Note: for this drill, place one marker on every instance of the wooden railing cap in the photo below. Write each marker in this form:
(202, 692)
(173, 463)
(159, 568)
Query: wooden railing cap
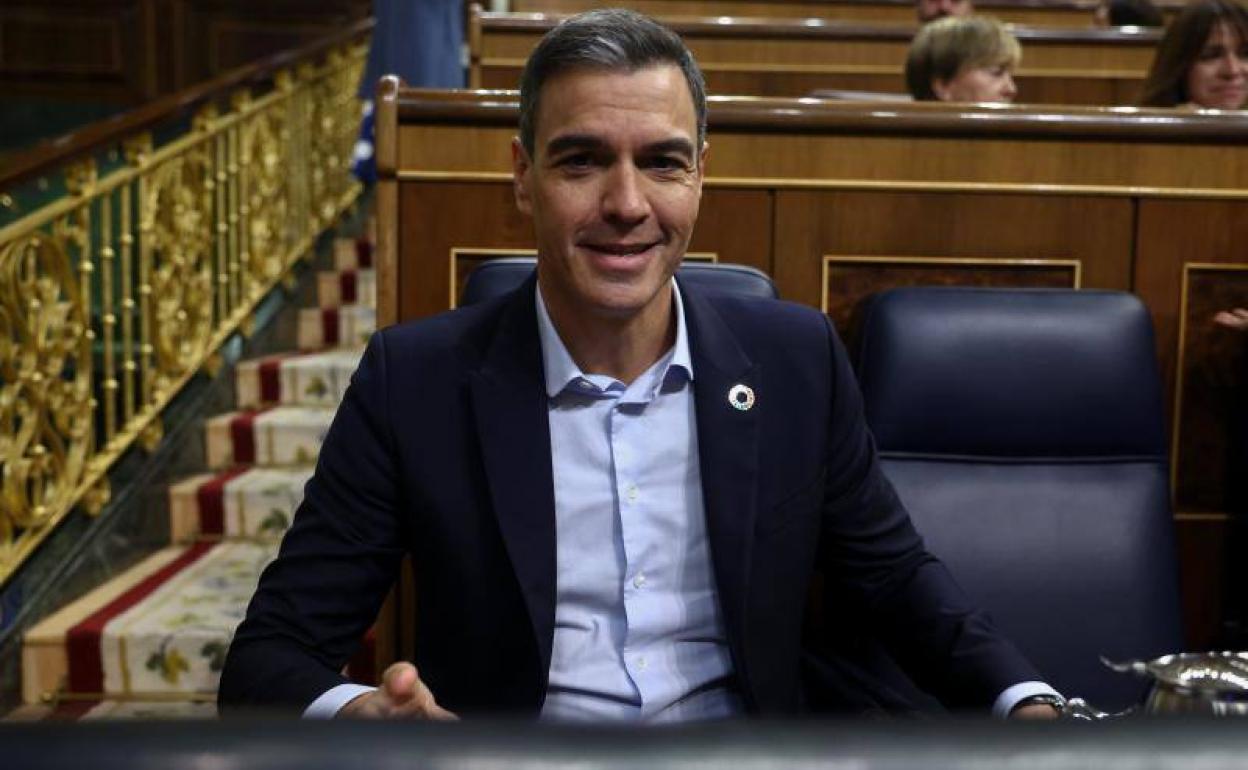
(808, 115)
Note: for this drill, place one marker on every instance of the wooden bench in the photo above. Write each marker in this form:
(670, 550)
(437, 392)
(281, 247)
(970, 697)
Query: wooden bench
(794, 57)
(838, 200)
(1046, 13)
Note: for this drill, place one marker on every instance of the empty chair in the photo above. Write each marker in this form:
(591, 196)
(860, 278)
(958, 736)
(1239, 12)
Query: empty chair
(499, 276)
(1023, 430)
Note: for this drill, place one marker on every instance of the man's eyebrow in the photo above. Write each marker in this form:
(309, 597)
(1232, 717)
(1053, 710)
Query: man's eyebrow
(573, 142)
(568, 142)
(677, 145)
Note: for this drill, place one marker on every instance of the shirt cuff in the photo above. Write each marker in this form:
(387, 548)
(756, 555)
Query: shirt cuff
(333, 699)
(1010, 698)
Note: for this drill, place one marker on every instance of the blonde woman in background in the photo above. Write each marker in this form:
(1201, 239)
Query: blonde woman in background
(963, 59)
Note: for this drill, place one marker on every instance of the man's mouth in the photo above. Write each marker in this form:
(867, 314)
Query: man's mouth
(620, 249)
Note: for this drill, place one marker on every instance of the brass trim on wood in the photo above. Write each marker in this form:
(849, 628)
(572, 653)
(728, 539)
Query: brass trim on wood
(1075, 265)
(404, 175)
(1181, 359)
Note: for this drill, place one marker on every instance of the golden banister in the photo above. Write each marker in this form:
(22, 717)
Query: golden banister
(114, 294)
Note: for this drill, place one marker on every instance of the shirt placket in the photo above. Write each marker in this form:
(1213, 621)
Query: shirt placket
(627, 425)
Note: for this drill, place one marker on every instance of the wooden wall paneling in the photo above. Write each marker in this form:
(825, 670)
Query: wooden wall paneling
(100, 52)
(1054, 14)
(1203, 234)
(921, 157)
(438, 217)
(1034, 87)
(835, 247)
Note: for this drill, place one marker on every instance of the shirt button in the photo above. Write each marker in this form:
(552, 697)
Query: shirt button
(631, 493)
(640, 580)
(641, 663)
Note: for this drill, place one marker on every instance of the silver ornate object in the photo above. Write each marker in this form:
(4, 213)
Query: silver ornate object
(1208, 683)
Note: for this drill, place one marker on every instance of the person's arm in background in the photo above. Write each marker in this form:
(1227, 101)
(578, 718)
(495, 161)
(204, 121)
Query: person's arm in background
(1236, 318)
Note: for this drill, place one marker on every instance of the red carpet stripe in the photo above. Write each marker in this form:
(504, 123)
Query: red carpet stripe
(271, 379)
(329, 326)
(346, 287)
(211, 499)
(363, 253)
(243, 437)
(86, 665)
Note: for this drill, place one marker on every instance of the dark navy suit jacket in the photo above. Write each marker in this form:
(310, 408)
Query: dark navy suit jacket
(441, 449)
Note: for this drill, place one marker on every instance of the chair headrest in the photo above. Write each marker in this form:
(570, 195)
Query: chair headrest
(499, 276)
(1011, 374)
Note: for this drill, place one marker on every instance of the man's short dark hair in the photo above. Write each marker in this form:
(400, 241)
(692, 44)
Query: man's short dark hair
(611, 39)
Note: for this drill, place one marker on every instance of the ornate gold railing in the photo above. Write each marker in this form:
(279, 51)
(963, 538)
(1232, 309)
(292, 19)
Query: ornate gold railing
(113, 295)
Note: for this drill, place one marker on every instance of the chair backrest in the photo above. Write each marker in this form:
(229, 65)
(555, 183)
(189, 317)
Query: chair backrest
(499, 276)
(1023, 430)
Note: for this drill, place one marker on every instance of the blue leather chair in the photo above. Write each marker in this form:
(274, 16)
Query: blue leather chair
(499, 276)
(1023, 430)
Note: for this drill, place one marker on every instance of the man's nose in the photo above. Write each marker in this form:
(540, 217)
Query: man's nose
(624, 199)
(1009, 89)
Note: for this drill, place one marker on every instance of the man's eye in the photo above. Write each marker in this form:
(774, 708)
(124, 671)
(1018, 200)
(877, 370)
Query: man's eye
(579, 160)
(667, 163)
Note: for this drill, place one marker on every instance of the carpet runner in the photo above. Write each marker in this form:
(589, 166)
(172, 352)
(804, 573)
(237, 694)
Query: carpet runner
(150, 643)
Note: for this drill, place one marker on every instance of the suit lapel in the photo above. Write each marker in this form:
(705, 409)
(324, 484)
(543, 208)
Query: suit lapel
(728, 457)
(509, 401)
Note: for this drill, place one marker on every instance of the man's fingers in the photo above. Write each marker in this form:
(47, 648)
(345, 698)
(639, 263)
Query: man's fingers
(401, 683)
(409, 697)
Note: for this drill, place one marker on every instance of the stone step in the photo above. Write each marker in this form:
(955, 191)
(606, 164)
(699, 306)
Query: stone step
(250, 503)
(307, 379)
(158, 631)
(339, 288)
(283, 436)
(321, 328)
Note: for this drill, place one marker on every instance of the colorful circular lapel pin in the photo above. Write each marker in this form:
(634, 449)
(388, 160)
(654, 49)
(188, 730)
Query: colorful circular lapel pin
(741, 397)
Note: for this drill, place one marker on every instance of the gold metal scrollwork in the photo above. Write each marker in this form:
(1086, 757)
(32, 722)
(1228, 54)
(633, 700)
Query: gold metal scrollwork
(45, 382)
(177, 213)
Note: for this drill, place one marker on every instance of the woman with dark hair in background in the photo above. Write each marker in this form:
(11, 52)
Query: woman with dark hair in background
(963, 59)
(1202, 61)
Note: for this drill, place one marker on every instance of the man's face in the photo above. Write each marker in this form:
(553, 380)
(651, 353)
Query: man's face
(613, 189)
(930, 10)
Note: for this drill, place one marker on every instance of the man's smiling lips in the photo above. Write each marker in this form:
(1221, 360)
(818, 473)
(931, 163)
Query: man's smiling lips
(619, 249)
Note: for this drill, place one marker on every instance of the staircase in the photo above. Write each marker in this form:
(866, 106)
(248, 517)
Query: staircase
(150, 643)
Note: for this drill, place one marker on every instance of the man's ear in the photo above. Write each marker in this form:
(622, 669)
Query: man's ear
(702, 156)
(941, 89)
(521, 164)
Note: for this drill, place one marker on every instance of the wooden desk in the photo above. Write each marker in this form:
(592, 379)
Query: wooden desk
(837, 200)
(794, 57)
(1046, 13)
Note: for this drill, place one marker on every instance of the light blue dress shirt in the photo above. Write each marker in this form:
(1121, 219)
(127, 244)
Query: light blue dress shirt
(638, 630)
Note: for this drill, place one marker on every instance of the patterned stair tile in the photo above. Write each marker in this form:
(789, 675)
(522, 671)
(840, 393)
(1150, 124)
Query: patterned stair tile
(338, 288)
(309, 379)
(281, 436)
(353, 253)
(252, 503)
(349, 326)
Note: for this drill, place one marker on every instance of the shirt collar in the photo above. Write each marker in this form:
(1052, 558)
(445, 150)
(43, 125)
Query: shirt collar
(561, 371)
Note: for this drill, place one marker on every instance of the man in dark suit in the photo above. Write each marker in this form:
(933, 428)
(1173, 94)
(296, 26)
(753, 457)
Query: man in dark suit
(615, 490)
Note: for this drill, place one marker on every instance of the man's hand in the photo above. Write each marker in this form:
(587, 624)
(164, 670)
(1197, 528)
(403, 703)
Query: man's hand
(1035, 711)
(1233, 319)
(401, 696)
